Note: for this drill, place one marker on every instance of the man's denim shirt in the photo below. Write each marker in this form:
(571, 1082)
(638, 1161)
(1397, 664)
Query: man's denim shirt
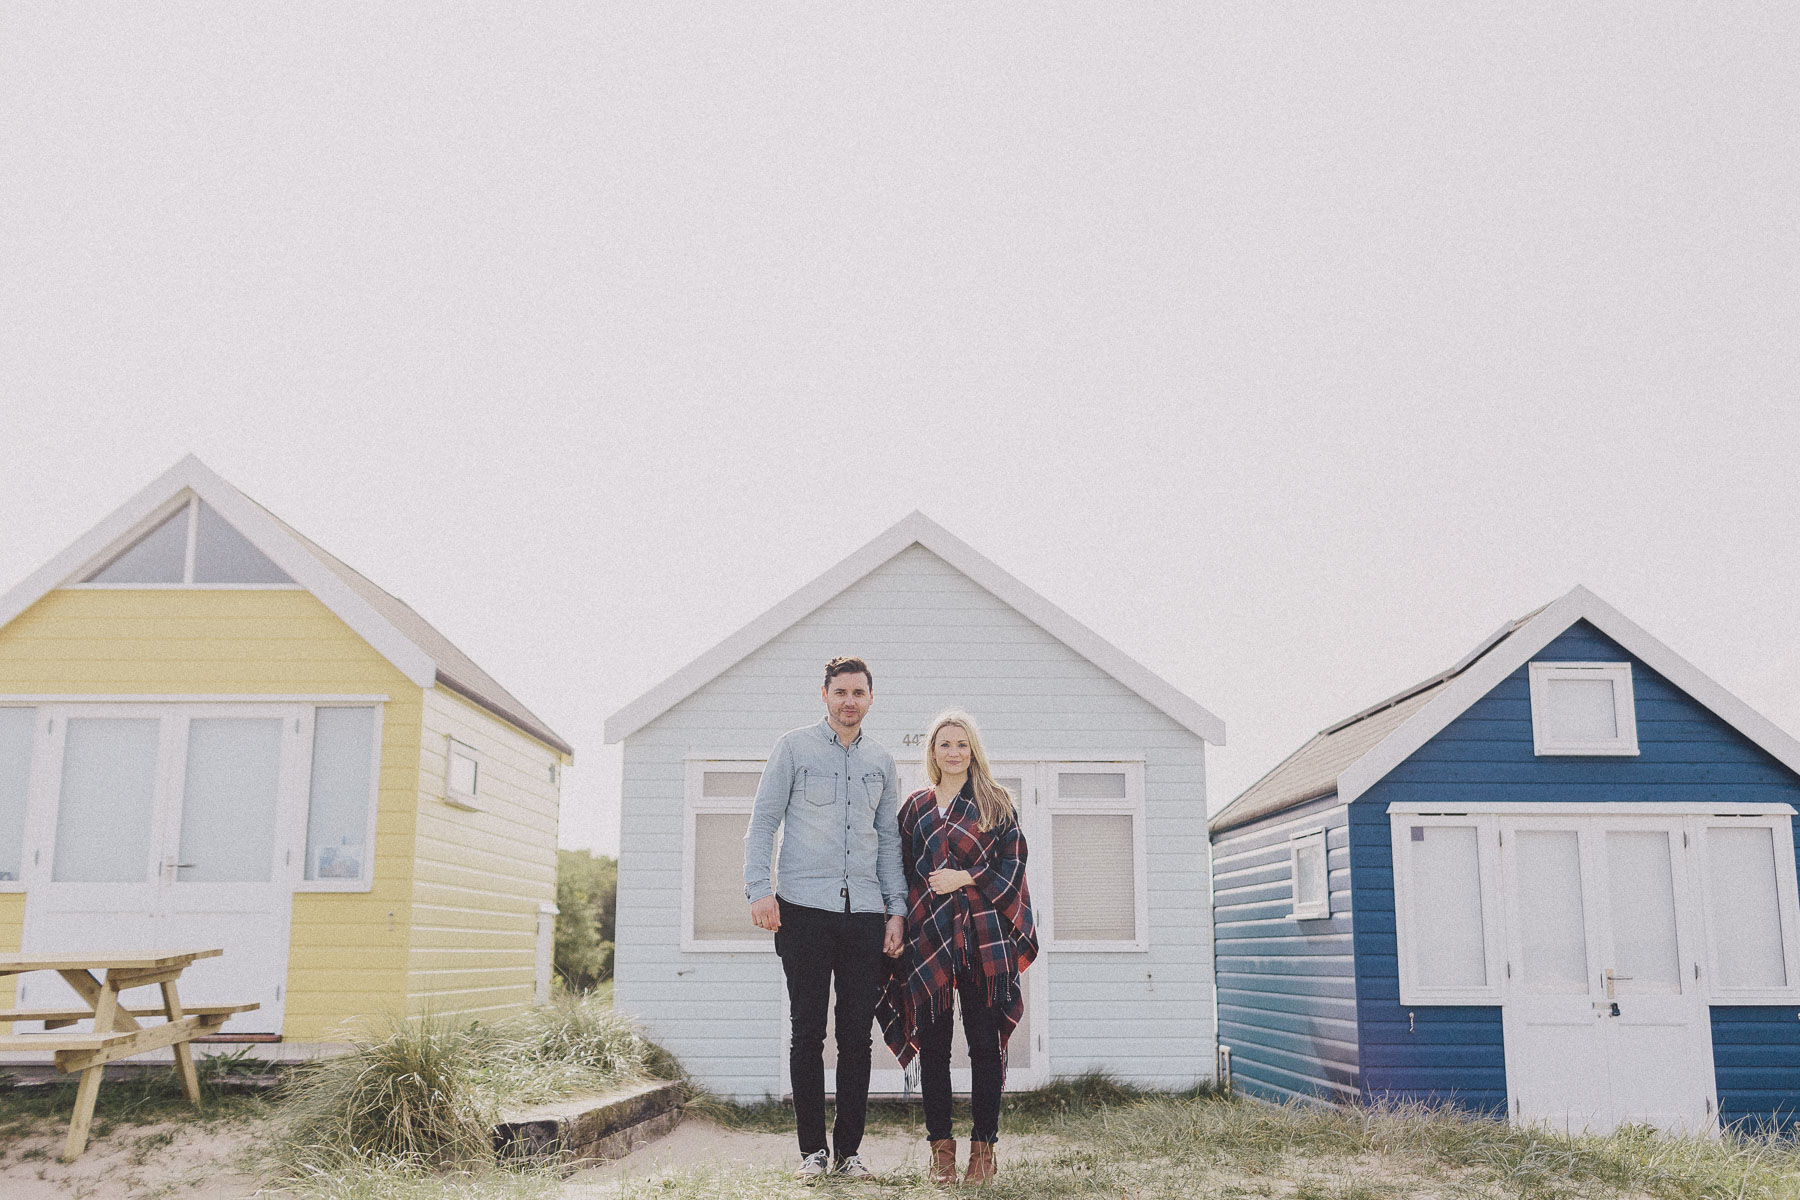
(841, 806)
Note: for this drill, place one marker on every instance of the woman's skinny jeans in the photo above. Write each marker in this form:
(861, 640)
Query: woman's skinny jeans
(981, 1026)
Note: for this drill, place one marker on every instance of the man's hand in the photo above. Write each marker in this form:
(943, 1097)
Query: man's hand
(895, 941)
(766, 914)
(945, 880)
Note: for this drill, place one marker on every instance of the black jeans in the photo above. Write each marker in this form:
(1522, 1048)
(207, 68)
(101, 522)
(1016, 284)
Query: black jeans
(981, 1027)
(814, 946)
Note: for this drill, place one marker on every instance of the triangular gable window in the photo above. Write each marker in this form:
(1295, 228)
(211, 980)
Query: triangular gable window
(194, 545)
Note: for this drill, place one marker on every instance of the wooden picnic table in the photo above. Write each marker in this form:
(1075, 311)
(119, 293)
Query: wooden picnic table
(117, 1031)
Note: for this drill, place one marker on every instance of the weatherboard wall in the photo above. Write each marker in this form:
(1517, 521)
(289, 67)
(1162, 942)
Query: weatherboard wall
(933, 638)
(481, 871)
(347, 954)
(1286, 987)
(1686, 753)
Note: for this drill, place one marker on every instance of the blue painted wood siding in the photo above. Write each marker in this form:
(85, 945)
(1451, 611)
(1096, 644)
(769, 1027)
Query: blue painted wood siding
(1685, 753)
(1287, 1000)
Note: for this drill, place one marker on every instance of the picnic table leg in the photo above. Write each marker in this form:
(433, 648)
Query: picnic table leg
(184, 1059)
(106, 1011)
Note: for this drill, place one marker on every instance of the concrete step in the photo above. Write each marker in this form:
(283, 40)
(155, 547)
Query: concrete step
(590, 1129)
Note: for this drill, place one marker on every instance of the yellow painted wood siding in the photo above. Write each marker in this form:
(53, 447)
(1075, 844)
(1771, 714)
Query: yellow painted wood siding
(480, 875)
(349, 950)
(12, 931)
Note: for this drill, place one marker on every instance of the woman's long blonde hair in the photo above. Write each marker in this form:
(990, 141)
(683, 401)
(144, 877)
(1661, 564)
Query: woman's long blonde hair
(994, 803)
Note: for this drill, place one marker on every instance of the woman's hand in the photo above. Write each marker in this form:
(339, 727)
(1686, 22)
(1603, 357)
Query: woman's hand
(893, 939)
(945, 880)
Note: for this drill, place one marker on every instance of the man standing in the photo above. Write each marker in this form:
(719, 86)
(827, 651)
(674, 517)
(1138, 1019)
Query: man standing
(839, 797)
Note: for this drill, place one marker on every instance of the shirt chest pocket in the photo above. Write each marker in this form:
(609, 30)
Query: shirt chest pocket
(820, 787)
(872, 785)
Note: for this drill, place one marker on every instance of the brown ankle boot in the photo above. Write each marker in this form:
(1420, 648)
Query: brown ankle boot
(943, 1160)
(981, 1162)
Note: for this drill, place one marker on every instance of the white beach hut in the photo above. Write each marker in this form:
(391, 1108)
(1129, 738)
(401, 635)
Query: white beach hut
(1109, 761)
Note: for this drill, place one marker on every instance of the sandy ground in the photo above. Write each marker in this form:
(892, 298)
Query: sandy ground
(702, 1144)
(173, 1160)
(131, 1162)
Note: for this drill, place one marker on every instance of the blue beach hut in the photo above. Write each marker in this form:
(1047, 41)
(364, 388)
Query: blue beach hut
(1554, 882)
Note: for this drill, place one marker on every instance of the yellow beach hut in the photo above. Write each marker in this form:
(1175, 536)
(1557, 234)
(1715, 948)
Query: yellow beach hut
(215, 733)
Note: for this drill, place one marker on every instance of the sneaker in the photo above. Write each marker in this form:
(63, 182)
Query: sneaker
(851, 1166)
(813, 1167)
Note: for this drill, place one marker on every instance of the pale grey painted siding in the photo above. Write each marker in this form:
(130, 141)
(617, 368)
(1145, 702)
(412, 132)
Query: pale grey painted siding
(933, 637)
(1287, 988)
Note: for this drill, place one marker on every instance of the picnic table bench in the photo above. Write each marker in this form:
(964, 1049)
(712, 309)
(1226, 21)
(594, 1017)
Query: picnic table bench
(117, 1031)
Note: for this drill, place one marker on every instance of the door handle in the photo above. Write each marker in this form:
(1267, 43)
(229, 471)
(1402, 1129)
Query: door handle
(1612, 979)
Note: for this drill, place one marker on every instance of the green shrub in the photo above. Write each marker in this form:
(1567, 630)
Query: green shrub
(587, 890)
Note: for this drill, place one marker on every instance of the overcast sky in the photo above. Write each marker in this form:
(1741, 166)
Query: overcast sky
(1292, 348)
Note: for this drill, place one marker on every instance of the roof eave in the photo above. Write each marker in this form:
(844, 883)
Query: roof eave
(922, 530)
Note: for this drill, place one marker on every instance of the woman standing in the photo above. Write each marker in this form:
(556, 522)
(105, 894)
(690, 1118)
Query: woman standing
(969, 933)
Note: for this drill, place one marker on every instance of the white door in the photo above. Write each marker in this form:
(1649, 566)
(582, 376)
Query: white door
(1603, 1020)
(1027, 1062)
(170, 827)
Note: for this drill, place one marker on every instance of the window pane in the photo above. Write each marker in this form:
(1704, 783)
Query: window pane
(1553, 930)
(1309, 873)
(223, 555)
(1450, 947)
(720, 911)
(1090, 785)
(465, 773)
(337, 816)
(1742, 892)
(1640, 878)
(160, 556)
(16, 725)
(228, 801)
(108, 796)
(1582, 710)
(1094, 877)
(729, 783)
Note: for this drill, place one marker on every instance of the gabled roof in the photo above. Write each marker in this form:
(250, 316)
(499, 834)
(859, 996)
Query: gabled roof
(1353, 755)
(387, 623)
(916, 529)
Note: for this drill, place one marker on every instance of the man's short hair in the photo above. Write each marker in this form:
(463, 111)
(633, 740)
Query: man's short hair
(848, 666)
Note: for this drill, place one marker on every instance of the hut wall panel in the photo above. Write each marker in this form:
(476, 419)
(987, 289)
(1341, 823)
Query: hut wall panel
(1686, 753)
(248, 642)
(933, 638)
(481, 875)
(1286, 998)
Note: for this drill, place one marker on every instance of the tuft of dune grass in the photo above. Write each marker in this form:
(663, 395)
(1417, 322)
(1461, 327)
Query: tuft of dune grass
(425, 1093)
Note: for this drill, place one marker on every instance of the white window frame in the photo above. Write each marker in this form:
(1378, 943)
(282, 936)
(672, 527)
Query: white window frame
(191, 502)
(1131, 805)
(1544, 742)
(694, 804)
(1296, 843)
(41, 797)
(1787, 897)
(366, 882)
(456, 798)
(1493, 923)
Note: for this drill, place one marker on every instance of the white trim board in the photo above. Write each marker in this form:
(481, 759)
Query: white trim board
(249, 519)
(916, 529)
(1672, 808)
(1517, 650)
(195, 698)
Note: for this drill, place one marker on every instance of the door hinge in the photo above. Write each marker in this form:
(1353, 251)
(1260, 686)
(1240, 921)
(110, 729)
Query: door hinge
(278, 991)
(1684, 839)
(287, 858)
(1515, 1106)
(1709, 1106)
(1696, 970)
(1509, 970)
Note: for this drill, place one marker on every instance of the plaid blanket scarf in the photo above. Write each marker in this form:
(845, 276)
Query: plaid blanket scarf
(985, 930)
